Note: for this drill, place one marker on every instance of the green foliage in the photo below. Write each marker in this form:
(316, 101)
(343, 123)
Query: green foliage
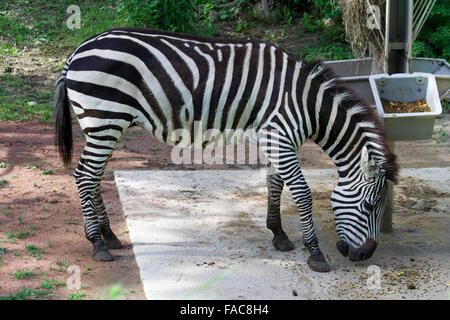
(26, 293)
(115, 292)
(79, 295)
(35, 251)
(286, 14)
(51, 284)
(434, 38)
(326, 52)
(325, 9)
(12, 236)
(24, 274)
(445, 106)
(323, 19)
(173, 15)
(17, 109)
(48, 171)
(241, 25)
(7, 49)
(311, 24)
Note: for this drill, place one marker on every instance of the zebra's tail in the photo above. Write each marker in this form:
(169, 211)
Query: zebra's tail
(63, 121)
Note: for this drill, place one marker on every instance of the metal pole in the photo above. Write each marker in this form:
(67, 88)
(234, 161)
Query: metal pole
(398, 47)
(399, 35)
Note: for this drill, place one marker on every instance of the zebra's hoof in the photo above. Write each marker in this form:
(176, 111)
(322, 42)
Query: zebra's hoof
(102, 255)
(112, 242)
(282, 243)
(101, 252)
(318, 263)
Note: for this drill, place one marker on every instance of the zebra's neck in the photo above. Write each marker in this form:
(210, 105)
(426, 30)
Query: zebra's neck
(337, 120)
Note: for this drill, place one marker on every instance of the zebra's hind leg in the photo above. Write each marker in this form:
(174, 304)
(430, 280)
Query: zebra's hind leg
(275, 187)
(88, 176)
(110, 239)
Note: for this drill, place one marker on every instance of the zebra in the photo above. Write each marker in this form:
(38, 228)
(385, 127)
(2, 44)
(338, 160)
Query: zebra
(164, 81)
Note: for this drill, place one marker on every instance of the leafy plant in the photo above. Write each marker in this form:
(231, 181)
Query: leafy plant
(433, 40)
(35, 251)
(173, 15)
(27, 293)
(79, 295)
(48, 171)
(23, 274)
(19, 235)
(51, 284)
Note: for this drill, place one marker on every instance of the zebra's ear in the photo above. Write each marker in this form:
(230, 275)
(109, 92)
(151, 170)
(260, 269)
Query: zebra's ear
(368, 165)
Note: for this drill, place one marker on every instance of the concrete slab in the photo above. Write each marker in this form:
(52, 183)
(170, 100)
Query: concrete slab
(201, 235)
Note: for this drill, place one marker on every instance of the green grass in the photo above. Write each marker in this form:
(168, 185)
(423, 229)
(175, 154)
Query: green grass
(12, 236)
(62, 265)
(17, 109)
(79, 295)
(35, 251)
(47, 286)
(12, 81)
(8, 49)
(48, 171)
(441, 136)
(24, 274)
(26, 293)
(51, 284)
(88, 269)
(43, 23)
(325, 52)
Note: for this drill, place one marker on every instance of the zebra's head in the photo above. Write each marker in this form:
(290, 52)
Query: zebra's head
(358, 204)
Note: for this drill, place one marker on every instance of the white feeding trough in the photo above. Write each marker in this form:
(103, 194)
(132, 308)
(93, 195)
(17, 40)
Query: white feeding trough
(407, 88)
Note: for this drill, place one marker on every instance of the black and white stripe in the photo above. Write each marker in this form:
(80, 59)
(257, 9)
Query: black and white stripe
(165, 81)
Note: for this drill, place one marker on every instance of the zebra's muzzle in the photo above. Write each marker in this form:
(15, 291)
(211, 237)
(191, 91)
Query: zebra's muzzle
(342, 247)
(364, 252)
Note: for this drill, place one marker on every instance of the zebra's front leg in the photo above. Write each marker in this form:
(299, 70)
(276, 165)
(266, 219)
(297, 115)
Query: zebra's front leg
(275, 187)
(282, 156)
(302, 196)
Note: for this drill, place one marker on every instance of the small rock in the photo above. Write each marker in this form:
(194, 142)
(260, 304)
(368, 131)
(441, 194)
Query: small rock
(32, 103)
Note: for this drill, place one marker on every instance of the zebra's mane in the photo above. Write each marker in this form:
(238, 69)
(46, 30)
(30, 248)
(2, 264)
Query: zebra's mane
(365, 113)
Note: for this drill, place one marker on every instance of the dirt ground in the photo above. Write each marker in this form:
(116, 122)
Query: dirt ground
(47, 205)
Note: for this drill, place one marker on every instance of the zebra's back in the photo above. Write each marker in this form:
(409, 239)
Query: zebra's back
(167, 81)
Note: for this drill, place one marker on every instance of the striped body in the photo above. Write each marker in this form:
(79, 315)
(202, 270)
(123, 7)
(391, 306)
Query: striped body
(165, 82)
